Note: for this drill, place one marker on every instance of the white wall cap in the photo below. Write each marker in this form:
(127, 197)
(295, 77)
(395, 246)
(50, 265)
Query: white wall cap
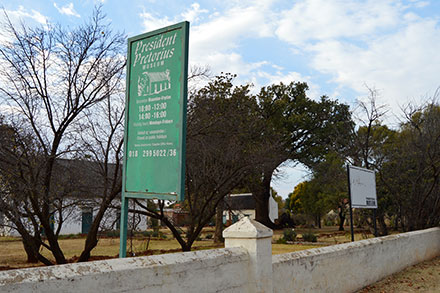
(247, 228)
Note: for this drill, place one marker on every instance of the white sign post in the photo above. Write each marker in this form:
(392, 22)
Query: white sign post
(362, 191)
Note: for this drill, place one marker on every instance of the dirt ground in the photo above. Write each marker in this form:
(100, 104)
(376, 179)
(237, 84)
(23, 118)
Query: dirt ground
(423, 277)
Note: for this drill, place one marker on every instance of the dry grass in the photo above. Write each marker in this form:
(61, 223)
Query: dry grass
(286, 248)
(12, 254)
(423, 277)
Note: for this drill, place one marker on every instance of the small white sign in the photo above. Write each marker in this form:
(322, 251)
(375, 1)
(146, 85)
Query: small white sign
(362, 188)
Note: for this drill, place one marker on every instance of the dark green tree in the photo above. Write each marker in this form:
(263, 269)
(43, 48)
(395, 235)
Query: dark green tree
(298, 129)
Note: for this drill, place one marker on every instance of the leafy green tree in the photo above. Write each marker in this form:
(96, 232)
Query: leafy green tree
(298, 129)
(279, 200)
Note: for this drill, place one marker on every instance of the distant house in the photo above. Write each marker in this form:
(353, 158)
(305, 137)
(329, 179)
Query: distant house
(150, 83)
(79, 185)
(177, 215)
(238, 206)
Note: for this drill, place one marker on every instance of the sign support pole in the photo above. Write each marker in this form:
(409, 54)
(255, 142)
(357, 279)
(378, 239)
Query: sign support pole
(374, 222)
(349, 200)
(123, 227)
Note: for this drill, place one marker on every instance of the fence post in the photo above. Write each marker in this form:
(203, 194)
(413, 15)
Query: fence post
(257, 240)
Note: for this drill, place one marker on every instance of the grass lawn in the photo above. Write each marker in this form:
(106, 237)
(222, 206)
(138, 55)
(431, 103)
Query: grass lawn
(12, 254)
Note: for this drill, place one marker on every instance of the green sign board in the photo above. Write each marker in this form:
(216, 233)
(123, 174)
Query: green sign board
(157, 66)
(155, 118)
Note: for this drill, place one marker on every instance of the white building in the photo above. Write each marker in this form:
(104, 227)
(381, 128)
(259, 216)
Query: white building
(238, 206)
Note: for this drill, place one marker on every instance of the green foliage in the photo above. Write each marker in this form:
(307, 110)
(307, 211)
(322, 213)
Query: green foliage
(69, 236)
(281, 240)
(309, 237)
(154, 223)
(112, 233)
(299, 219)
(289, 234)
(146, 233)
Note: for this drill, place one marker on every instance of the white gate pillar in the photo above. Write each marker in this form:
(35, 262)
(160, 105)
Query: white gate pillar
(257, 240)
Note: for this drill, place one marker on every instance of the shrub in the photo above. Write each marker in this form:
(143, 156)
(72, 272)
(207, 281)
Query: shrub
(299, 219)
(112, 233)
(289, 235)
(281, 240)
(310, 237)
(69, 236)
(146, 233)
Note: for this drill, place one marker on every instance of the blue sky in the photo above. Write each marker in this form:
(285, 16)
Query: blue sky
(339, 47)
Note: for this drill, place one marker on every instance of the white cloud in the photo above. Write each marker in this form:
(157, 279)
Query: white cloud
(67, 9)
(403, 65)
(358, 43)
(318, 20)
(192, 14)
(15, 15)
(314, 91)
(386, 44)
(226, 31)
(229, 62)
(151, 22)
(215, 42)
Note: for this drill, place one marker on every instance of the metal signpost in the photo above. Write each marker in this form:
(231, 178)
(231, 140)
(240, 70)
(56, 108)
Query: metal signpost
(362, 192)
(155, 118)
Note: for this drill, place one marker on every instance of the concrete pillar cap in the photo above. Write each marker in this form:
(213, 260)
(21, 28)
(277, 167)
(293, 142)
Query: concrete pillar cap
(247, 228)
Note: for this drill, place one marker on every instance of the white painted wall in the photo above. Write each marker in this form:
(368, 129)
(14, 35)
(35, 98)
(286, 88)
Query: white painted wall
(273, 209)
(351, 266)
(228, 215)
(246, 265)
(220, 270)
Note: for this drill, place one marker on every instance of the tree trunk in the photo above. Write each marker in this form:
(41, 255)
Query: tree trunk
(318, 221)
(92, 236)
(341, 219)
(32, 256)
(53, 242)
(383, 230)
(218, 237)
(91, 240)
(261, 196)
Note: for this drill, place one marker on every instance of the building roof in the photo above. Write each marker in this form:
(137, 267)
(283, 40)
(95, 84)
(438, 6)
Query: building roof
(240, 202)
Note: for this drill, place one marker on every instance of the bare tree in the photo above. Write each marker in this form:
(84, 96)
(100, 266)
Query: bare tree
(413, 168)
(223, 146)
(102, 141)
(367, 146)
(51, 75)
(372, 114)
